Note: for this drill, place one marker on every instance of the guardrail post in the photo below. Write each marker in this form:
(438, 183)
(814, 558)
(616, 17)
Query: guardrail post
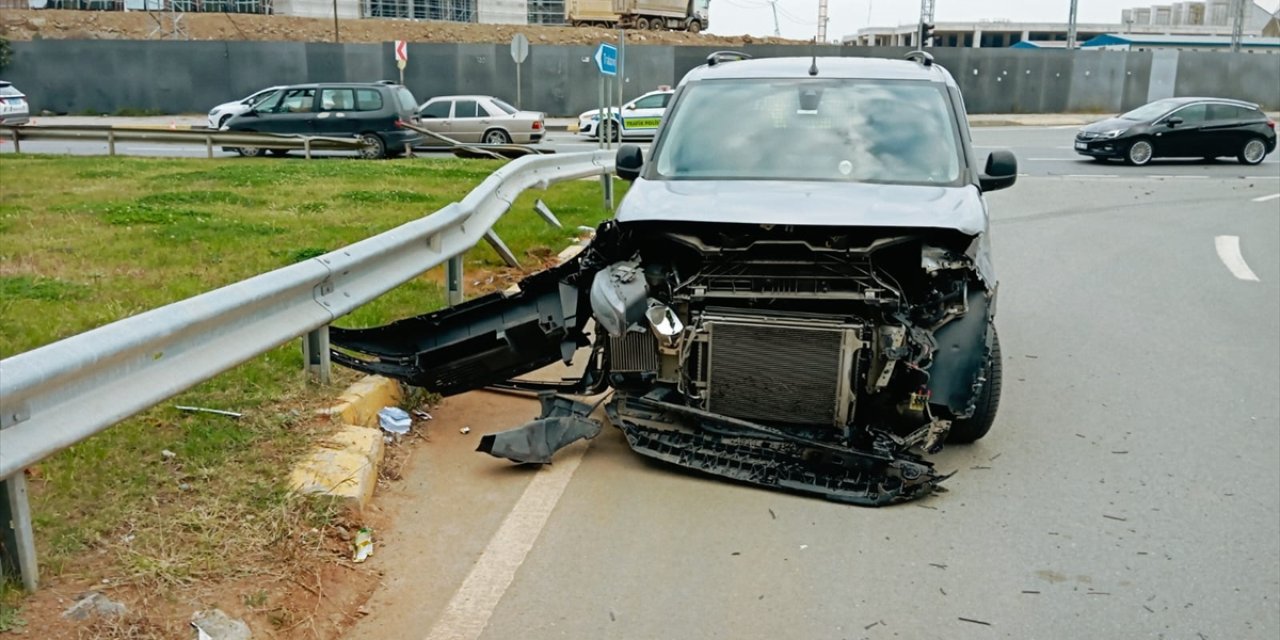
(315, 353)
(17, 144)
(208, 147)
(408, 150)
(306, 147)
(18, 540)
(541, 209)
(501, 248)
(111, 143)
(453, 276)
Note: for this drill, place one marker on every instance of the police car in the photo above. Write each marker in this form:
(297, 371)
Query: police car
(640, 117)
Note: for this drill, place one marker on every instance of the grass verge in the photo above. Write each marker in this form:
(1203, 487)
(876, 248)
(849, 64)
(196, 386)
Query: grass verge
(168, 498)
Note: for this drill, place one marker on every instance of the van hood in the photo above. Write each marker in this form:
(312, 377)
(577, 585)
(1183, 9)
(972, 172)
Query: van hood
(849, 204)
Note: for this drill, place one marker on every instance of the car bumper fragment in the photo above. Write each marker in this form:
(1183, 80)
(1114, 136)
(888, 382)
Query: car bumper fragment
(868, 478)
(562, 422)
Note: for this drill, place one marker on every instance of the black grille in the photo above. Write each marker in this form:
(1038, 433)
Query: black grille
(770, 373)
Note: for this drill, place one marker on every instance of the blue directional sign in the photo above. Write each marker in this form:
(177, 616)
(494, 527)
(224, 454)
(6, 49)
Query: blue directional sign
(607, 59)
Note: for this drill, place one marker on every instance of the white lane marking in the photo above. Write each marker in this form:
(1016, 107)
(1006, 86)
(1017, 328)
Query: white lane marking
(1273, 196)
(1090, 175)
(468, 612)
(1049, 159)
(1229, 253)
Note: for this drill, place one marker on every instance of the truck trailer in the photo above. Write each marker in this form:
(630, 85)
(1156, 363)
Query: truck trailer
(656, 15)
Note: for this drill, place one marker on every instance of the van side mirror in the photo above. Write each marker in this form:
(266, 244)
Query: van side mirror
(1001, 171)
(629, 161)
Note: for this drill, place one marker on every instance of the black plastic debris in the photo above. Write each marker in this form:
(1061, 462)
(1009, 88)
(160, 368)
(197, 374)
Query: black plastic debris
(563, 421)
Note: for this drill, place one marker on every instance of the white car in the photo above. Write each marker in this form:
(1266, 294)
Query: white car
(484, 119)
(14, 109)
(219, 115)
(640, 117)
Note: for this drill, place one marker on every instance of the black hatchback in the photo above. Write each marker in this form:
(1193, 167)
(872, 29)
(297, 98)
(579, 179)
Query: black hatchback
(374, 112)
(1206, 128)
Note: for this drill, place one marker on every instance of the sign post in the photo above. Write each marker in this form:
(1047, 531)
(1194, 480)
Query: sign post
(607, 62)
(402, 57)
(519, 52)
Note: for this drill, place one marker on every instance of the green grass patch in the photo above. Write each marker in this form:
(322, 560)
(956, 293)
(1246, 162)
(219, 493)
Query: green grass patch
(10, 605)
(35, 288)
(88, 241)
(134, 214)
(393, 195)
(191, 198)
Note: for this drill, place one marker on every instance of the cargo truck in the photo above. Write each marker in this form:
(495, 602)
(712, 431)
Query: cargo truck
(590, 13)
(677, 15)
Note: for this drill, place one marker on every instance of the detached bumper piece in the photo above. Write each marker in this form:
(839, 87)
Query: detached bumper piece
(563, 421)
(872, 479)
(477, 343)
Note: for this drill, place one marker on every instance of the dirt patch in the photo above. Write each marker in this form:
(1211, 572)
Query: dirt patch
(136, 25)
(304, 585)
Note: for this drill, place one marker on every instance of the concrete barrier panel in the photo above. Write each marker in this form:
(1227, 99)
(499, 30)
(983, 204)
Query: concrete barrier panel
(1097, 82)
(104, 76)
(1246, 76)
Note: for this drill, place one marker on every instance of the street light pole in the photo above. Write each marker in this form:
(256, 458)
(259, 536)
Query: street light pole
(335, 21)
(1237, 24)
(1071, 27)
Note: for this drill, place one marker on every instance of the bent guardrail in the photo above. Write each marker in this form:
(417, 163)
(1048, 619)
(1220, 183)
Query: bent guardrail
(207, 137)
(57, 395)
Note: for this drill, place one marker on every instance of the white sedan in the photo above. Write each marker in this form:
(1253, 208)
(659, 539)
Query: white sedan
(220, 114)
(640, 117)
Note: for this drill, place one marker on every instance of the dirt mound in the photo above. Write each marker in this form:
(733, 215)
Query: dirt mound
(136, 25)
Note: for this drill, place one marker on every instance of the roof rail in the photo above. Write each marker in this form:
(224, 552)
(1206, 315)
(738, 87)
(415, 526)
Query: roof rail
(725, 56)
(923, 57)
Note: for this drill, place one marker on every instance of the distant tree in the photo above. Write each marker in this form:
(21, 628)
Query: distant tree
(6, 53)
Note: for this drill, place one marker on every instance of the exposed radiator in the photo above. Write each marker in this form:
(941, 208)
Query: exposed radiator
(770, 371)
(634, 352)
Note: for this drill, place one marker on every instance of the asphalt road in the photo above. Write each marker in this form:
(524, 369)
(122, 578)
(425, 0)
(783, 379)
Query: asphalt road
(1041, 151)
(1129, 489)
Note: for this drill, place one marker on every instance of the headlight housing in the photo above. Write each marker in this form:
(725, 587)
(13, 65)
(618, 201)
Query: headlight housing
(1112, 134)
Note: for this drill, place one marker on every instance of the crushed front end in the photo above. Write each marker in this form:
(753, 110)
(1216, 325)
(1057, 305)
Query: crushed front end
(818, 360)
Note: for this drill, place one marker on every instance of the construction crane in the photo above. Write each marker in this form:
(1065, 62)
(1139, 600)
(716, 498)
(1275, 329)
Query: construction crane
(822, 20)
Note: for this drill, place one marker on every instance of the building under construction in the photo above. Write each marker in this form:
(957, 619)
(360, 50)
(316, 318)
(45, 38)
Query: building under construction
(1197, 19)
(482, 11)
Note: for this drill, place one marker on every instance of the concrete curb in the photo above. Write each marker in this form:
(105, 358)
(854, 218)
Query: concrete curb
(345, 464)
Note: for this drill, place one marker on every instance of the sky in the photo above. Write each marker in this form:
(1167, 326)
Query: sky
(799, 18)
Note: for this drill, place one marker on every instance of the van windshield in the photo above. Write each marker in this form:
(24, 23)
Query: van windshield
(883, 131)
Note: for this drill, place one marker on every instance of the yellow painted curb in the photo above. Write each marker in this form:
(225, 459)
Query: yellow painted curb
(362, 401)
(345, 465)
(572, 128)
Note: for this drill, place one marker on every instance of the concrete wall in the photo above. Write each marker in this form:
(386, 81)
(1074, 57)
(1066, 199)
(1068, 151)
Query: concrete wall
(74, 76)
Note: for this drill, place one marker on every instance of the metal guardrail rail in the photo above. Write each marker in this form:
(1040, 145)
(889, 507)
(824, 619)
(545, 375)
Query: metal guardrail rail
(207, 137)
(57, 395)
